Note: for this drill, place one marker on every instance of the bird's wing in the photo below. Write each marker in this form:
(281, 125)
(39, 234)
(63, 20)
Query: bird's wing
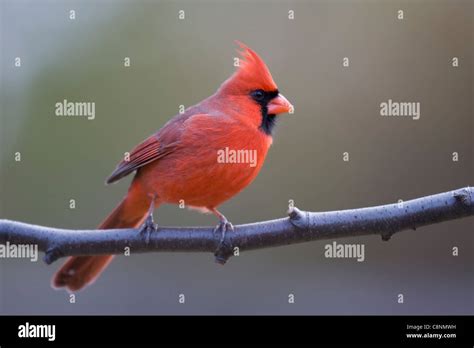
(158, 145)
(149, 150)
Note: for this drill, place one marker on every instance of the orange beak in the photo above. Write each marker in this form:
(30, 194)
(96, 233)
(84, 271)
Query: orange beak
(279, 105)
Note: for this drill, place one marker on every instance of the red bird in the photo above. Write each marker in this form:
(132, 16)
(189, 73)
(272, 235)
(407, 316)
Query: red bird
(181, 161)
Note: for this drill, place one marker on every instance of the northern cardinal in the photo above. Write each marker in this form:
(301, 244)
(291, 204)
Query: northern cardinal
(179, 163)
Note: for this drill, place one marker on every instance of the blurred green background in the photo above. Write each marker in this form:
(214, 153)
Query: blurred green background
(177, 62)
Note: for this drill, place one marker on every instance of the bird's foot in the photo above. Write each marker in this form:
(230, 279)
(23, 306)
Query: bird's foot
(223, 227)
(149, 226)
(223, 250)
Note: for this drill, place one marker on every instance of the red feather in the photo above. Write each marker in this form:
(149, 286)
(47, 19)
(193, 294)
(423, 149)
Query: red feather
(252, 74)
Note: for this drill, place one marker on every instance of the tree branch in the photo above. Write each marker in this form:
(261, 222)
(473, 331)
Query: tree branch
(299, 227)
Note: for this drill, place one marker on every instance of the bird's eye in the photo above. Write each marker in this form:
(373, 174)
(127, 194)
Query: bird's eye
(258, 95)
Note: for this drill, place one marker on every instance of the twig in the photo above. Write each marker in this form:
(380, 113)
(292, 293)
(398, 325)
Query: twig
(300, 226)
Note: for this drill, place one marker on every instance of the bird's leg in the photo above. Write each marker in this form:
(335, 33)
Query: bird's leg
(224, 224)
(149, 226)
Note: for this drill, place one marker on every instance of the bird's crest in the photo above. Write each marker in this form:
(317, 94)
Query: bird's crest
(252, 73)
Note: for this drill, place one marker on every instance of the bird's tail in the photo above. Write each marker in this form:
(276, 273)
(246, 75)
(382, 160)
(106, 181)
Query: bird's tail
(79, 271)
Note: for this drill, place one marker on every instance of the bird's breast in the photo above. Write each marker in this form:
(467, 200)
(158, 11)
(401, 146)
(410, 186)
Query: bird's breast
(209, 169)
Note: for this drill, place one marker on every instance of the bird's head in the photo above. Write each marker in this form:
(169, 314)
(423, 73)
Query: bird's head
(253, 88)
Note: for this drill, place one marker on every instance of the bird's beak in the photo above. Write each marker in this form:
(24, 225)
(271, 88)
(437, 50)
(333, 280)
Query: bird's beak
(279, 105)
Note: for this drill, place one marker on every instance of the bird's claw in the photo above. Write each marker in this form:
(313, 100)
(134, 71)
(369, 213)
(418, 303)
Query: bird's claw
(223, 227)
(147, 228)
(221, 252)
